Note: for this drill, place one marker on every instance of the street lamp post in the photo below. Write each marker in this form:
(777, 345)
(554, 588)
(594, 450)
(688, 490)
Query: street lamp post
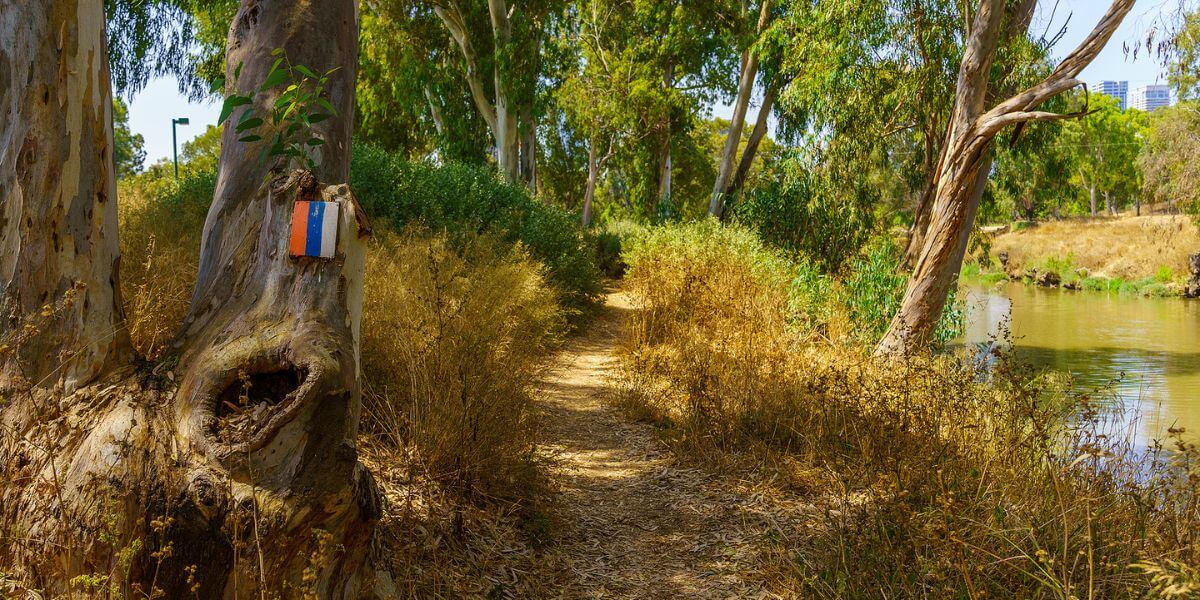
(174, 144)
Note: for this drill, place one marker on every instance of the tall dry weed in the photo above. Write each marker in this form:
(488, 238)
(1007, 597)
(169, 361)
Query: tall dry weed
(454, 337)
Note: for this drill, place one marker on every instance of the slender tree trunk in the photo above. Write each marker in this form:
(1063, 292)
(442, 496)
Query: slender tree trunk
(664, 151)
(229, 470)
(589, 194)
(972, 129)
(756, 137)
(749, 71)
(501, 115)
(435, 111)
(1092, 197)
(508, 151)
(529, 148)
(916, 233)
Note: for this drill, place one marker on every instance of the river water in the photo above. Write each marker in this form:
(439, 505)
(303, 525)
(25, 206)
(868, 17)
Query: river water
(1143, 353)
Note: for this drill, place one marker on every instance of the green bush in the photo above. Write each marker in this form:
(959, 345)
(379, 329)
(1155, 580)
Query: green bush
(608, 254)
(806, 212)
(463, 200)
(874, 288)
(993, 278)
(1129, 288)
(1156, 290)
(1098, 284)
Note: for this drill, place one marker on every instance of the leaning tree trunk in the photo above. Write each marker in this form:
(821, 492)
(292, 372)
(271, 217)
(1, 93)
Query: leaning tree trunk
(749, 71)
(229, 469)
(972, 129)
(756, 137)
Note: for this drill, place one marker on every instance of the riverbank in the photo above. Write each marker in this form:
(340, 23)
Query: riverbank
(1146, 256)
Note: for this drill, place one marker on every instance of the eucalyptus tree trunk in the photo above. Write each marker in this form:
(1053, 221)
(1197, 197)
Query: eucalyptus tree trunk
(589, 194)
(229, 469)
(756, 137)
(58, 193)
(500, 113)
(972, 129)
(664, 150)
(749, 71)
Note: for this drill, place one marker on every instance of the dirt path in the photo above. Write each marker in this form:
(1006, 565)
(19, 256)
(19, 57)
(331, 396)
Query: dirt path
(636, 523)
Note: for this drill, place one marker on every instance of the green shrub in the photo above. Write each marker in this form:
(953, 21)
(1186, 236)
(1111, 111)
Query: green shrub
(993, 278)
(804, 212)
(1096, 284)
(1165, 274)
(463, 200)
(608, 254)
(1156, 290)
(874, 288)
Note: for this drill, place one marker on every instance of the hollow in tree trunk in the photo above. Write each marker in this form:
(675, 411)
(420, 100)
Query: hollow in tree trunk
(229, 469)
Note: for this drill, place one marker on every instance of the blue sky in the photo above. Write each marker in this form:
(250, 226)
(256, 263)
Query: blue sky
(153, 108)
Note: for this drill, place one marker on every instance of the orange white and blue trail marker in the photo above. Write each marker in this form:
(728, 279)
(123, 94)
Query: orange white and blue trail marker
(314, 229)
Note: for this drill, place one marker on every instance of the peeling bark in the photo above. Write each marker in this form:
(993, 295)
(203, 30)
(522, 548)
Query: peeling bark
(229, 470)
(58, 214)
(972, 129)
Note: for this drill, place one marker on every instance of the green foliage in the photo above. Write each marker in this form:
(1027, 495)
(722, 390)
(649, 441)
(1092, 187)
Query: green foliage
(608, 254)
(183, 39)
(463, 199)
(128, 148)
(811, 211)
(1169, 161)
(202, 153)
(1185, 64)
(1103, 148)
(1101, 284)
(873, 289)
(300, 105)
(1067, 270)
(637, 86)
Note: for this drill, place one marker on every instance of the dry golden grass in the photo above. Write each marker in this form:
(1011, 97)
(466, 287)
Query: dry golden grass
(936, 483)
(1129, 247)
(160, 248)
(453, 342)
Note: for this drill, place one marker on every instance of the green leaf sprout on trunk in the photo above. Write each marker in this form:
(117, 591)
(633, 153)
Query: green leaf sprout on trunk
(299, 104)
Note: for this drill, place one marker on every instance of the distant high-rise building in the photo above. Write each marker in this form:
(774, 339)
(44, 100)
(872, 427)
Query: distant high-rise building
(1151, 97)
(1116, 89)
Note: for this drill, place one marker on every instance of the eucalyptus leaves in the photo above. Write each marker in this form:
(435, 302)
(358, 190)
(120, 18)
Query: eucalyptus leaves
(300, 105)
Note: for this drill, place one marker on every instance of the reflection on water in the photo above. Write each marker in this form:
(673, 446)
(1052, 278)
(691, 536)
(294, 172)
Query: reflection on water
(1147, 348)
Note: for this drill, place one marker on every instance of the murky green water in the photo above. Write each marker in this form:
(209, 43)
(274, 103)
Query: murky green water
(1148, 349)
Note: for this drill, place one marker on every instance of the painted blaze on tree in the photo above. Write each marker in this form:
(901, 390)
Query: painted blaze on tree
(229, 469)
